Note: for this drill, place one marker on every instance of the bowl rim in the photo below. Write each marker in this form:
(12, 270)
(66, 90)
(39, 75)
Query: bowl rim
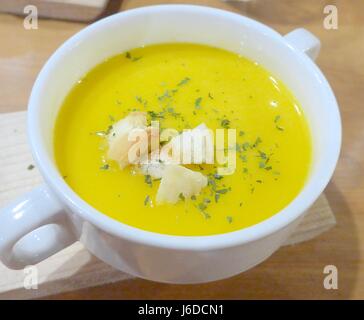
(265, 228)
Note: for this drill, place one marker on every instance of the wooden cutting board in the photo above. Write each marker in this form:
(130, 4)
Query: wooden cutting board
(76, 10)
(74, 267)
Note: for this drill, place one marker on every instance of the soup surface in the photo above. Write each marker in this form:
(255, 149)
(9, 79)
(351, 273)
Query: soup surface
(182, 86)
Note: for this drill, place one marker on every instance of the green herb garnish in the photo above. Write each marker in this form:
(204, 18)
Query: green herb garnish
(245, 146)
(276, 119)
(262, 155)
(148, 180)
(147, 200)
(141, 100)
(207, 216)
(225, 123)
(173, 112)
(212, 183)
(222, 191)
(257, 142)
(198, 103)
(206, 200)
(165, 95)
(243, 158)
(109, 128)
(129, 56)
(183, 81)
(31, 167)
(156, 115)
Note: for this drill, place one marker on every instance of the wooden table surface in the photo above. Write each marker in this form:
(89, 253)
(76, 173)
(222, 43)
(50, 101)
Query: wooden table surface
(292, 272)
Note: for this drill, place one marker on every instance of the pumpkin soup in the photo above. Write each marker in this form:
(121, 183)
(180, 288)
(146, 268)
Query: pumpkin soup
(183, 86)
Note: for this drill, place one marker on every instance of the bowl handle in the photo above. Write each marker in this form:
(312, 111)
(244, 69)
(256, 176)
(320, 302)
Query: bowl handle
(304, 41)
(32, 228)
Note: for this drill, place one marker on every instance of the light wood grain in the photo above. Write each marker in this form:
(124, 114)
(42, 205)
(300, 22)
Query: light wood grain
(75, 10)
(294, 272)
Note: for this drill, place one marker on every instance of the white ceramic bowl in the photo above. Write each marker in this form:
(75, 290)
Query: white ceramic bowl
(58, 217)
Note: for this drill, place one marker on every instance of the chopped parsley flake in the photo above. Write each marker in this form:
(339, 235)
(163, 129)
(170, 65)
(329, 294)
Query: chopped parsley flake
(276, 119)
(245, 146)
(263, 155)
(156, 115)
(141, 100)
(257, 142)
(147, 200)
(225, 123)
(243, 158)
(198, 103)
(109, 128)
(222, 191)
(130, 57)
(183, 81)
(165, 95)
(148, 180)
(278, 127)
(207, 216)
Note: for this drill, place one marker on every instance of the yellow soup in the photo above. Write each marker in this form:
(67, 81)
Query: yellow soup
(182, 86)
